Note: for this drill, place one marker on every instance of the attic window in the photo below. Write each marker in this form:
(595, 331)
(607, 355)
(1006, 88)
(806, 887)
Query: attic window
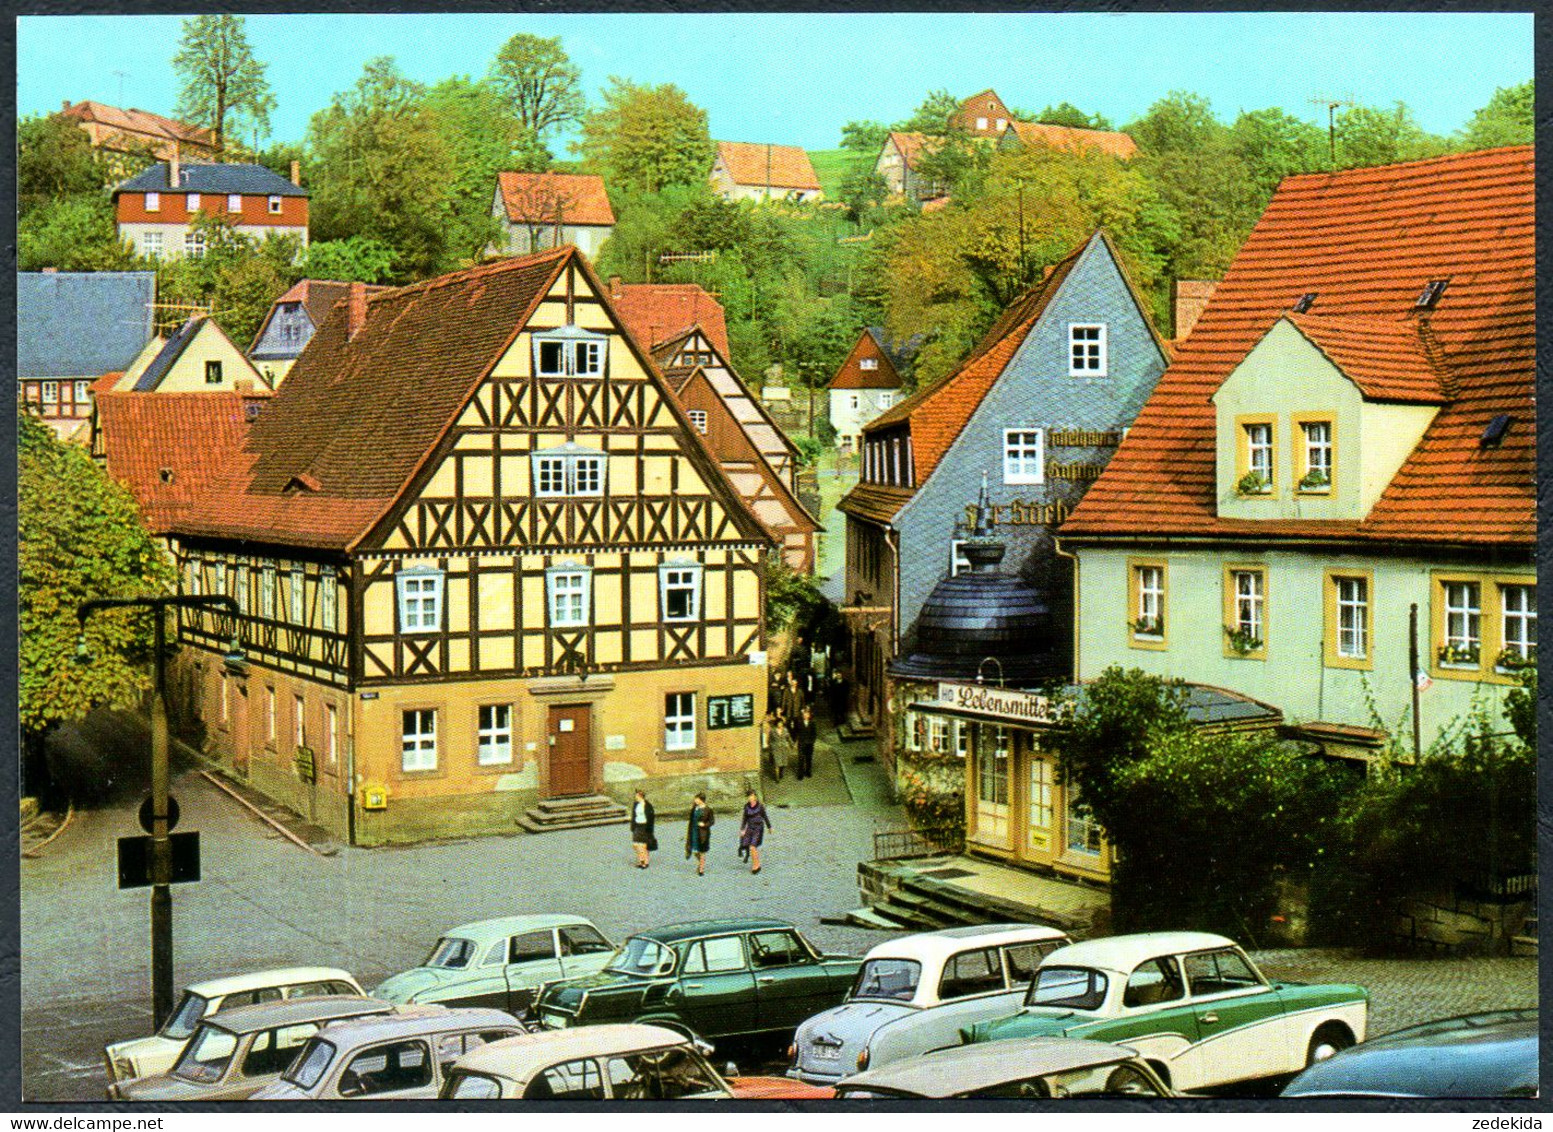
(302, 482)
(1494, 431)
(1430, 297)
(1304, 302)
(166, 475)
(251, 411)
(570, 352)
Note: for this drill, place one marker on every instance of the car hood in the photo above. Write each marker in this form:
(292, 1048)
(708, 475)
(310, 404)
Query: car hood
(568, 992)
(1030, 1022)
(844, 1029)
(404, 986)
(154, 1054)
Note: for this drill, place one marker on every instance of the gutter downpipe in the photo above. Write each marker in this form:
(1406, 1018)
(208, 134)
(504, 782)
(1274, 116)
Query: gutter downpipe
(1057, 548)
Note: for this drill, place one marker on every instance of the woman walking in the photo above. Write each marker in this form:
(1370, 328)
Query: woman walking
(698, 834)
(642, 837)
(752, 829)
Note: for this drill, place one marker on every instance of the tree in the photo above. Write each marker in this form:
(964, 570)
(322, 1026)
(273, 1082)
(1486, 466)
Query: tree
(78, 233)
(238, 275)
(1066, 114)
(932, 117)
(1271, 145)
(482, 137)
(1508, 119)
(1368, 136)
(220, 78)
(1181, 121)
(540, 85)
(80, 537)
(645, 138)
(359, 258)
(54, 160)
(864, 137)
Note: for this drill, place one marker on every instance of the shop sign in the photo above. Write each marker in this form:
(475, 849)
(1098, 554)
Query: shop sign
(730, 711)
(1000, 703)
(1021, 514)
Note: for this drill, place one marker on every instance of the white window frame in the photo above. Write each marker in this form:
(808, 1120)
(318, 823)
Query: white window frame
(569, 582)
(269, 714)
(680, 576)
(1151, 599)
(1250, 602)
(220, 578)
(981, 123)
(582, 472)
(275, 206)
(1019, 452)
(1463, 614)
(328, 601)
(267, 592)
(331, 735)
(51, 392)
(240, 584)
(295, 594)
(191, 201)
(1259, 451)
(419, 591)
(1087, 353)
(886, 399)
(298, 720)
(958, 563)
(1353, 616)
(493, 742)
(1524, 614)
(196, 577)
(583, 353)
(854, 401)
(679, 721)
(226, 699)
(153, 202)
(697, 420)
(82, 392)
(1315, 446)
(194, 243)
(234, 202)
(151, 245)
(417, 739)
(868, 363)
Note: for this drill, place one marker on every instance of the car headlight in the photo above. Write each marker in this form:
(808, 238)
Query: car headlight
(862, 1060)
(792, 1054)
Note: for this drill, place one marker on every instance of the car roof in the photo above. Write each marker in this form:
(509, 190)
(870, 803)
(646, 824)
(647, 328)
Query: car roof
(362, 1031)
(984, 1065)
(674, 933)
(938, 946)
(295, 1011)
(489, 931)
(1472, 1056)
(520, 1057)
(1124, 952)
(258, 980)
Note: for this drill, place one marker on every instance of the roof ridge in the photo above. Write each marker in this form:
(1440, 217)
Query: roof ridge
(464, 275)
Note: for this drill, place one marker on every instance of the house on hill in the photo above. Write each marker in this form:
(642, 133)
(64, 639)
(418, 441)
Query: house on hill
(867, 382)
(537, 211)
(982, 116)
(1070, 139)
(292, 321)
(750, 171)
(127, 135)
(156, 209)
(899, 164)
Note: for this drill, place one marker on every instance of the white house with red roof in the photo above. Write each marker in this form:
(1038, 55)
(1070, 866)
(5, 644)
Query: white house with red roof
(867, 382)
(761, 171)
(538, 211)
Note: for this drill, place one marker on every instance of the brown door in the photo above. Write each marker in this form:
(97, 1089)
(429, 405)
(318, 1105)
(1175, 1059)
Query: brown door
(237, 691)
(571, 751)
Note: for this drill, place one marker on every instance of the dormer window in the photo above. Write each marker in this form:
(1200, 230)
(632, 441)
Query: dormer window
(570, 352)
(1086, 349)
(1304, 302)
(1430, 297)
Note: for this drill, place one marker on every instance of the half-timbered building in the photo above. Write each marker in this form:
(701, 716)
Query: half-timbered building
(481, 560)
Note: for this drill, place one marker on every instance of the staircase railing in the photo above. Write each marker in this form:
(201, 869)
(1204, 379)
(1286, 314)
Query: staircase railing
(903, 844)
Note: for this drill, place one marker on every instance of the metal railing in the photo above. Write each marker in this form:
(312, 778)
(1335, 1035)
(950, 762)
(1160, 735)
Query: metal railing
(1498, 886)
(901, 844)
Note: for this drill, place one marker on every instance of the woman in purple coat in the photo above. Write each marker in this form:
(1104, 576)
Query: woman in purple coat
(752, 829)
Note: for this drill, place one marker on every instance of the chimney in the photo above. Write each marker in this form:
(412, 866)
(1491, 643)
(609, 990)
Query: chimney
(172, 168)
(1192, 297)
(614, 287)
(356, 312)
(65, 107)
(296, 173)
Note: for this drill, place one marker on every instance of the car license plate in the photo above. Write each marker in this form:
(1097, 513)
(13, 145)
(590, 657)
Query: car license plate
(827, 1053)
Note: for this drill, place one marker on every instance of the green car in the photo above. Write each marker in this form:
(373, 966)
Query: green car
(1193, 1005)
(712, 979)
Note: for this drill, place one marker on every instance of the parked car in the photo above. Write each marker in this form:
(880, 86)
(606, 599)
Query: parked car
(143, 1057)
(501, 963)
(714, 979)
(1192, 1004)
(1471, 1056)
(1022, 1069)
(916, 994)
(609, 1062)
(235, 1053)
(392, 1057)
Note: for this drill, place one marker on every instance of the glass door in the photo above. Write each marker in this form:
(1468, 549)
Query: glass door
(992, 809)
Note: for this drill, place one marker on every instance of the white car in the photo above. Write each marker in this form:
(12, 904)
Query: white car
(916, 994)
(145, 1057)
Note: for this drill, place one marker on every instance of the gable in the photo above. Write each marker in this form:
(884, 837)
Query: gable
(182, 363)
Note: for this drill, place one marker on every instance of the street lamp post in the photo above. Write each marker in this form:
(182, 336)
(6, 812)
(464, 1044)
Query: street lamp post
(161, 846)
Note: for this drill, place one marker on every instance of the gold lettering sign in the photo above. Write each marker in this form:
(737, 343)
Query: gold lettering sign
(1078, 438)
(1074, 471)
(1001, 703)
(1021, 514)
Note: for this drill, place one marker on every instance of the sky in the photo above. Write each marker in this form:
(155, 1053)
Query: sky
(796, 79)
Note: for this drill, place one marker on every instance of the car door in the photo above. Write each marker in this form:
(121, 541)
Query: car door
(1154, 1017)
(397, 1070)
(583, 950)
(715, 994)
(531, 960)
(1241, 1030)
(790, 984)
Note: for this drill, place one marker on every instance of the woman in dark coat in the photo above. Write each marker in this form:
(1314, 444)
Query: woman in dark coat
(752, 829)
(698, 834)
(642, 837)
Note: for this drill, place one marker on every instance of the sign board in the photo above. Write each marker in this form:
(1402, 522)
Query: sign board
(172, 813)
(135, 860)
(997, 703)
(730, 711)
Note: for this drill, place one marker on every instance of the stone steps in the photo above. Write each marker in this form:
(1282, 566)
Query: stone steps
(573, 813)
(1523, 945)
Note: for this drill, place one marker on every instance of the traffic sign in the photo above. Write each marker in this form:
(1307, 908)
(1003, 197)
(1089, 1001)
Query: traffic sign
(135, 860)
(172, 814)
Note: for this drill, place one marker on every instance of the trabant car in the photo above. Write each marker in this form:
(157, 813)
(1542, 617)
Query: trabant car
(1192, 1004)
(916, 994)
(501, 963)
(713, 979)
(609, 1062)
(393, 1057)
(143, 1057)
(1023, 1069)
(235, 1053)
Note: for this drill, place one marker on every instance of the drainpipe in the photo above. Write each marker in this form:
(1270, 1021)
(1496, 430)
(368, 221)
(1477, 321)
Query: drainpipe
(1057, 547)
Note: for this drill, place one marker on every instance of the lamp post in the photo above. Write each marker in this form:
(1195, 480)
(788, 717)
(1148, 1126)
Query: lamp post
(161, 847)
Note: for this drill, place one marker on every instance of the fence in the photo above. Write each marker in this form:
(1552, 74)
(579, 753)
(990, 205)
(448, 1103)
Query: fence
(900, 844)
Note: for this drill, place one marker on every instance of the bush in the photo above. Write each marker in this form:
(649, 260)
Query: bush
(932, 792)
(810, 449)
(789, 595)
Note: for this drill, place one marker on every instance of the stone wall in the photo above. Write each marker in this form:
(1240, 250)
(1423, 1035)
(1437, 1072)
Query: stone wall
(1454, 925)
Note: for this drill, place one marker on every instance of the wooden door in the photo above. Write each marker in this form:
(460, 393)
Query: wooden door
(571, 750)
(237, 691)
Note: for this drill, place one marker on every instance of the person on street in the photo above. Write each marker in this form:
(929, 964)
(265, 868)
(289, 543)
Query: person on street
(698, 834)
(836, 694)
(803, 735)
(642, 838)
(752, 829)
(775, 738)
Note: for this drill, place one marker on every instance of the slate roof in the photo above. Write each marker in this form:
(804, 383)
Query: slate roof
(780, 166)
(1388, 359)
(140, 122)
(1366, 241)
(534, 197)
(317, 297)
(217, 179)
(658, 312)
(1072, 139)
(75, 323)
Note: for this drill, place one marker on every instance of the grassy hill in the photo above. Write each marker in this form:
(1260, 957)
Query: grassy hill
(831, 166)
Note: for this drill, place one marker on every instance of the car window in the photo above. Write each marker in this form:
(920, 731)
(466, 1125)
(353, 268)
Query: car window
(777, 949)
(531, 946)
(237, 998)
(888, 978)
(581, 939)
(472, 1087)
(570, 1081)
(1153, 982)
(496, 954)
(660, 1075)
(450, 952)
(1034, 1089)
(1214, 972)
(642, 956)
(1077, 987)
(310, 1064)
(450, 1047)
(272, 1051)
(725, 953)
(390, 1068)
(971, 972)
(181, 1022)
(304, 990)
(206, 1056)
(1022, 959)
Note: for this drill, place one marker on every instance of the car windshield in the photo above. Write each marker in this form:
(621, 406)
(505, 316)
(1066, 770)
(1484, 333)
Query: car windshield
(894, 979)
(1077, 987)
(181, 1022)
(207, 1055)
(310, 1064)
(451, 952)
(642, 956)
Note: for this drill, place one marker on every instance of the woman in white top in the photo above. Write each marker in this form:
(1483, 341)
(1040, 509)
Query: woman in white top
(642, 838)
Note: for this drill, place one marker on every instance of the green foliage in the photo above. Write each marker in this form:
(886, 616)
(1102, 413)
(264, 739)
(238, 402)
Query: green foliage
(864, 138)
(790, 596)
(1520, 708)
(277, 158)
(1121, 716)
(810, 448)
(77, 233)
(54, 162)
(1271, 145)
(357, 258)
(538, 83)
(1066, 114)
(80, 537)
(481, 136)
(1368, 136)
(932, 117)
(239, 276)
(222, 83)
(1179, 121)
(1508, 119)
(643, 138)
(931, 788)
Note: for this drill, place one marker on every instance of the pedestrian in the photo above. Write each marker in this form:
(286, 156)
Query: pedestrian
(752, 829)
(698, 834)
(803, 735)
(792, 698)
(836, 693)
(643, 838)
(775, 738)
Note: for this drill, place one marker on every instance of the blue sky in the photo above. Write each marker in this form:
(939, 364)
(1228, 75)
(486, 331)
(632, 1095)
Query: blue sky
(798, 78)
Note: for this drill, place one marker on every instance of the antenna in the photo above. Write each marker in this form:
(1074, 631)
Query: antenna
(1332, 102)
(122, 76)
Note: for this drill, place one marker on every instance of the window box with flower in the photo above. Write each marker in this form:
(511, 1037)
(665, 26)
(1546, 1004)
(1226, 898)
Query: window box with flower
(1242, 640)
(1253, 483)
(1315, 481)
(1459, 656)
(1512, 659)
(1148, 627)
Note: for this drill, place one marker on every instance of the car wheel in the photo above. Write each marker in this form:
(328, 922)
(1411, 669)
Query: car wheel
(1326, 1041)
(1161, 1071)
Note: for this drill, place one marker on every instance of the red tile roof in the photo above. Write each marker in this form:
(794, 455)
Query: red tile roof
(1366, 241)
(781, 166)
(1074, 140)
(657, 312)
(140, 122)
(852, 375)
(166, 447)
(536, 197)
(318, 297)
(1388, 359)
(913, 147)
